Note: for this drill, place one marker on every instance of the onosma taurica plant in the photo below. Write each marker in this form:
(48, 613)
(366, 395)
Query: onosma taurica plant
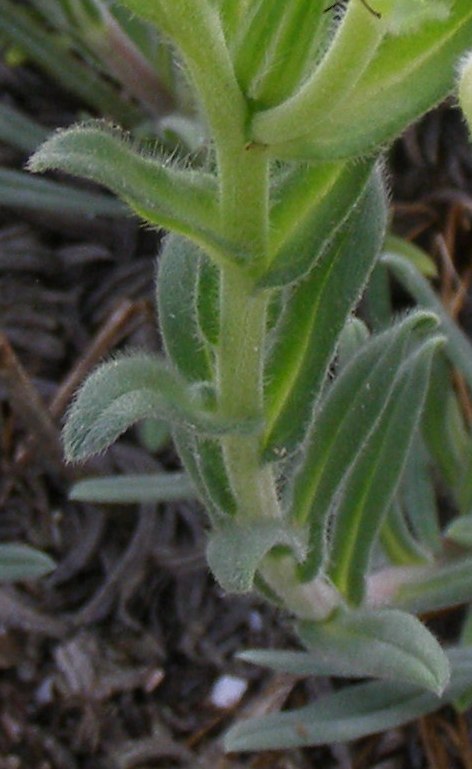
(307, 433)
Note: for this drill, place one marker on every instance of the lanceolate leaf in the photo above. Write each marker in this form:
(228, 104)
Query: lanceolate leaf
(235, 550)
(437, 587)
(203, 460)
(182, 201)
(311, 204)
(386, 644)
(177, 296)
(397, 540)
(18, 562)
(350, 713)
(129, 489)
(125, 390)
(458, 349)
(350, 412)
(306, 337)
(374, 477)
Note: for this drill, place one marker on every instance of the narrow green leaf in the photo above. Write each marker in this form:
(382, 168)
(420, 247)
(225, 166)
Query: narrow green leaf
(397, 540)
(436, 587)
(350, 713)
(127, 389)
(315, 313)
(375, 474)
(18, 130)
(441, 425)
(130, 489)
(183, 201)
(418, 495)
(387, 644)
(21, 190)
(460, 531)
(458, 348)
(18, 562)
(346, 418)
(177, 297)
(273, 47)
(311, 203)
(351, 339)
(235, 550)
(211, 465)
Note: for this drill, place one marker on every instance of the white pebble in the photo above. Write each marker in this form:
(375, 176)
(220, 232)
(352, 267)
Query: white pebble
(227, 691)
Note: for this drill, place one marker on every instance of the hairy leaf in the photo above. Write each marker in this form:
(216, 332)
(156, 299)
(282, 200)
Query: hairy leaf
(127, 389)
(236, 549)
(350, 713)
(306, 336)
(387, 643)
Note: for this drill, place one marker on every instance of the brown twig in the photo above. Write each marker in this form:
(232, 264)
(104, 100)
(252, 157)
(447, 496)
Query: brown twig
(28, 406)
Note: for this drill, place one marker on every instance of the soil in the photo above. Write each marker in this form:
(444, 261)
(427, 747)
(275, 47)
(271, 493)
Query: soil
(111, 660)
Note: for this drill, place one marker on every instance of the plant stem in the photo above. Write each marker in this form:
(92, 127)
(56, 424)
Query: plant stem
(244, 193)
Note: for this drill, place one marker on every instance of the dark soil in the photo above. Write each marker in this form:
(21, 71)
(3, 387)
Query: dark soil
(110, 661)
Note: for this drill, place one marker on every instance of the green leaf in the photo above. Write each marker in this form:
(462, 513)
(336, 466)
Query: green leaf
(130, 489)
(440, 586)
(18, 562)
(386, 643)
(179, 319)
(418, 496)
(397, 540)
(351, 410)
(235, 550)
(374, 477)
(406, 77)
(275, 45)
(21, 190)
(460, 531)
(444, 441)
(183, 201)
(18, 130)
(126, 390)
(458, 348)
(350, 713)
(315, 313)
(311, 203)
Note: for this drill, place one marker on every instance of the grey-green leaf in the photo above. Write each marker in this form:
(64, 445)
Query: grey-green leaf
(130, 388)
(129, 489)
(182, 201)
(343, 423)
(18, 562)
(235, 550)
(350, 713)
(375, 474)
(388, 644)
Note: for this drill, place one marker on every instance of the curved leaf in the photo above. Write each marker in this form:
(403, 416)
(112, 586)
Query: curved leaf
(387, 644)
(236, 549)
(127, 389)
(183, 201)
